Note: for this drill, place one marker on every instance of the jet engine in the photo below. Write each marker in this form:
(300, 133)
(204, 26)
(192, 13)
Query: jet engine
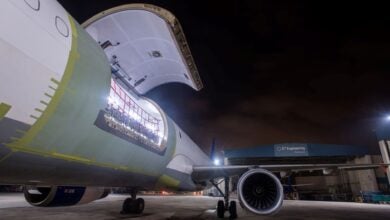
(63, 195)
(260, 192)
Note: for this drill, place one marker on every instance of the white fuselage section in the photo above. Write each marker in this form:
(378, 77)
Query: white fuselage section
(38, 31)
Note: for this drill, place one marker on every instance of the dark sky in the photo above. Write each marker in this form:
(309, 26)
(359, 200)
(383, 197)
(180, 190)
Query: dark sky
(277, 71)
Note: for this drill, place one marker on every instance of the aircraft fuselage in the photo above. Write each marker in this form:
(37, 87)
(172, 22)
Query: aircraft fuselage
(54, 84)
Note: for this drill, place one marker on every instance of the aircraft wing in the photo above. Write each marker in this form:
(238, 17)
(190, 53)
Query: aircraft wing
(201, 173)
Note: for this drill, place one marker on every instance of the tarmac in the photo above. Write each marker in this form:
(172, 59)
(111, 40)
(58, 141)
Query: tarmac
(13, 206)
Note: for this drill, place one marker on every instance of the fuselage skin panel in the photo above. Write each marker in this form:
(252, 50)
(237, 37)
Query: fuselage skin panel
(54, 81)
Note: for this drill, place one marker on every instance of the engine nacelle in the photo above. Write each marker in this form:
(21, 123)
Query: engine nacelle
(260, 192)
(63, 195)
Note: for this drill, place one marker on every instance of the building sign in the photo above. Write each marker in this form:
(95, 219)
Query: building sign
(290, 150)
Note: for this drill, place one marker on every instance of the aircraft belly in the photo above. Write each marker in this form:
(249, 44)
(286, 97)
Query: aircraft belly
(53, 171)
(186, 183)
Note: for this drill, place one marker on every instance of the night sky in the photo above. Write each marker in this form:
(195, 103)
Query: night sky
(277, 71)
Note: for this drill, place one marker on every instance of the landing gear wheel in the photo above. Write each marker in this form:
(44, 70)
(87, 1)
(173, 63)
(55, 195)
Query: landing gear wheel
(139, 205)
(127, 206)
(220, 209)
(133, 206)
(233, 210)
(225, 205)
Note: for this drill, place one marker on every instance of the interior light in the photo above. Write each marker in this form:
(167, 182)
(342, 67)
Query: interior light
(134, 116)
(149, 126)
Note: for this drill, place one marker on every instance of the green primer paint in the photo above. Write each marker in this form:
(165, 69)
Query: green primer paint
(43, 102)
(4, 109)
(16, 148)
(34, 117)
(51, 108)
(48, 95)
(20, 131)
(66, 130)
(54, 80)
(52, 88)
(38, 110)
(167, 181)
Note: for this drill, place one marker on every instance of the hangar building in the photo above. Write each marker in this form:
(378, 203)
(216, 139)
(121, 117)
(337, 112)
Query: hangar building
(337, 185)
